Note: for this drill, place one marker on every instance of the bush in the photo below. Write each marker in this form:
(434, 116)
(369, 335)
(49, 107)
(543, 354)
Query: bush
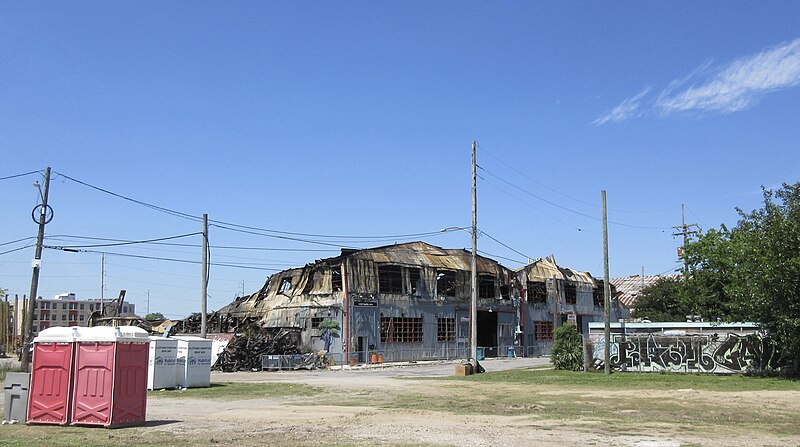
(567, 351)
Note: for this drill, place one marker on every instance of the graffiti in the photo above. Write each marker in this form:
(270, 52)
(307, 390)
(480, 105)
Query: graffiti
(749, 353)
(690, 353)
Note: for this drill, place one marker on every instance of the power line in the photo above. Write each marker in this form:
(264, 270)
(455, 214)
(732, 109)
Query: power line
(544, 185)
(16, 249)
(588, 216)
(117, 244)
(138, 202)
(18, 240)
(489, 255)
(20, 175)
(218, 247)
(504, 245)
(184, 261)
(531, 206)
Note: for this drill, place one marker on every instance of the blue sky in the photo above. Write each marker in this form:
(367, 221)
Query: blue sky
(356, 119)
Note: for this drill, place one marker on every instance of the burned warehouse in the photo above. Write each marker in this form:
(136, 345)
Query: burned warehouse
(411, 301)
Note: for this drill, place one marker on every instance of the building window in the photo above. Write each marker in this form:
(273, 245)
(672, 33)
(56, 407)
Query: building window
(73, 306)
(63, 306)
(446, 283)
(286, 284)
(401, 330)
(63, 317)
(505, 330)
(486, 286)
(316, 321)
(543, 330)
(83, 306)
(445, 329)
(536, 292)
(45, 305)
(570, 293)
(35, 317)
(336, 278)
(81, 317)
(413, 277)
(52, 317)
(598, 295)
(390, 279)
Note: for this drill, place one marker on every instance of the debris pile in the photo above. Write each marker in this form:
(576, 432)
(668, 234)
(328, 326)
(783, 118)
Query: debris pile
(244, 351)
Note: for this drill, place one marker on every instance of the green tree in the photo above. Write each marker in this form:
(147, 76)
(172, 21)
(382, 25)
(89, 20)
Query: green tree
(567, 350)
(752, 272)
(663, 301)
(154, 316)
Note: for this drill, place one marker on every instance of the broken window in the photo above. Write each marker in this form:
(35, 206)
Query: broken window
(543, 330)
(316, 321)
(446, 283)
(445, 329)
(401, 330)
(505, 292)
(537, 292)
(390, 279)
(486, 286)
(336, 278)
(286, 284)
(570, 293)
(413, 277)
(598, 295)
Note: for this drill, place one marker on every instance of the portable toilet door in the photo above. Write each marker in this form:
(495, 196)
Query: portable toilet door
(50, 394)
(110, 377)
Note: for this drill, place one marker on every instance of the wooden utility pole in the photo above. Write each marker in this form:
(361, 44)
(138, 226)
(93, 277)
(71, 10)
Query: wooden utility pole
(684, 231)
(44, 217)
(473, 307)
(606, 292)
(204, 295)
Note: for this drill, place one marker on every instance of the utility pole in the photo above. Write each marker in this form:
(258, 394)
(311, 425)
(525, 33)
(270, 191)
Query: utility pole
(204, 285)
(44, 217)
(684, 231)
(473, 308)
(606, 291)
(102, 281)
(148, 302)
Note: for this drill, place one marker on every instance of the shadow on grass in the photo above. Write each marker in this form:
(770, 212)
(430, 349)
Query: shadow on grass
(159, 423)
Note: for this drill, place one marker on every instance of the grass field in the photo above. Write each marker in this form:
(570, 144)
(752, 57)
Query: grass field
(697, 409)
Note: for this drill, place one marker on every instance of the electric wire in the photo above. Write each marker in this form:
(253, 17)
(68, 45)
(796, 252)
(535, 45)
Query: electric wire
(20, 175)
(588, 216)
(218, 247)
(117, 244)
(18, 240)
(544, 185)
(504, 245)
(15, 249)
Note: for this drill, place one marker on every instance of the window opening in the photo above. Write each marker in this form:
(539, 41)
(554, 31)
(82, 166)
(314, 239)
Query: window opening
(537, 292)
(401, 330)
(336, 278)
(486, 286)
(570, 293)
(286, 284)
(445, 329)
(543, 330)
(446, 283)
(390, 279)
(413, 277)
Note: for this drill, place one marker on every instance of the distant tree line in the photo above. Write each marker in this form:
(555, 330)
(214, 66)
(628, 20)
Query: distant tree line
(750, 272)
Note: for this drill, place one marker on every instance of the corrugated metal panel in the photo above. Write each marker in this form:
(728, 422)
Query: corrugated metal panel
(546, 268)
(630, 287)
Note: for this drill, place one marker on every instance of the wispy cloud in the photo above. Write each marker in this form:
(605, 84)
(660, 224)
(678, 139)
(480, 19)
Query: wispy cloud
(626, 110)
(727, 88)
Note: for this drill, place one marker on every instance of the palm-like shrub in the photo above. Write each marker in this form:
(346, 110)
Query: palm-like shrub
(567, 351)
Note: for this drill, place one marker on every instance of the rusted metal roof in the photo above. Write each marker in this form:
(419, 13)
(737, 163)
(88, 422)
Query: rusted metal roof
(630, 287)
(420, 253)
(543, 269)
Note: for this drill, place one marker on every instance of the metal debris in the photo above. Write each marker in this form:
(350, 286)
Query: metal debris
(244, 352)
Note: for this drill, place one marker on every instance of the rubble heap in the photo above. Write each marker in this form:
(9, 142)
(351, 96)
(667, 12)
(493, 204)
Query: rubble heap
(244, 351)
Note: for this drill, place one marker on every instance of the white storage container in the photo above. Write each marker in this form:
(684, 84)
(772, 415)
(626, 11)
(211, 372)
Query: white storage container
(194, 362)
(162, 364)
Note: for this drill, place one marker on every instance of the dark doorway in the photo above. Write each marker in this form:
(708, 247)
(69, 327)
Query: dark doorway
(487, 332)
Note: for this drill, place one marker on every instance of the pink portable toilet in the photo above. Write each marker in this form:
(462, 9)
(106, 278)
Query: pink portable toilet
(51, 376)
(110, 376)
